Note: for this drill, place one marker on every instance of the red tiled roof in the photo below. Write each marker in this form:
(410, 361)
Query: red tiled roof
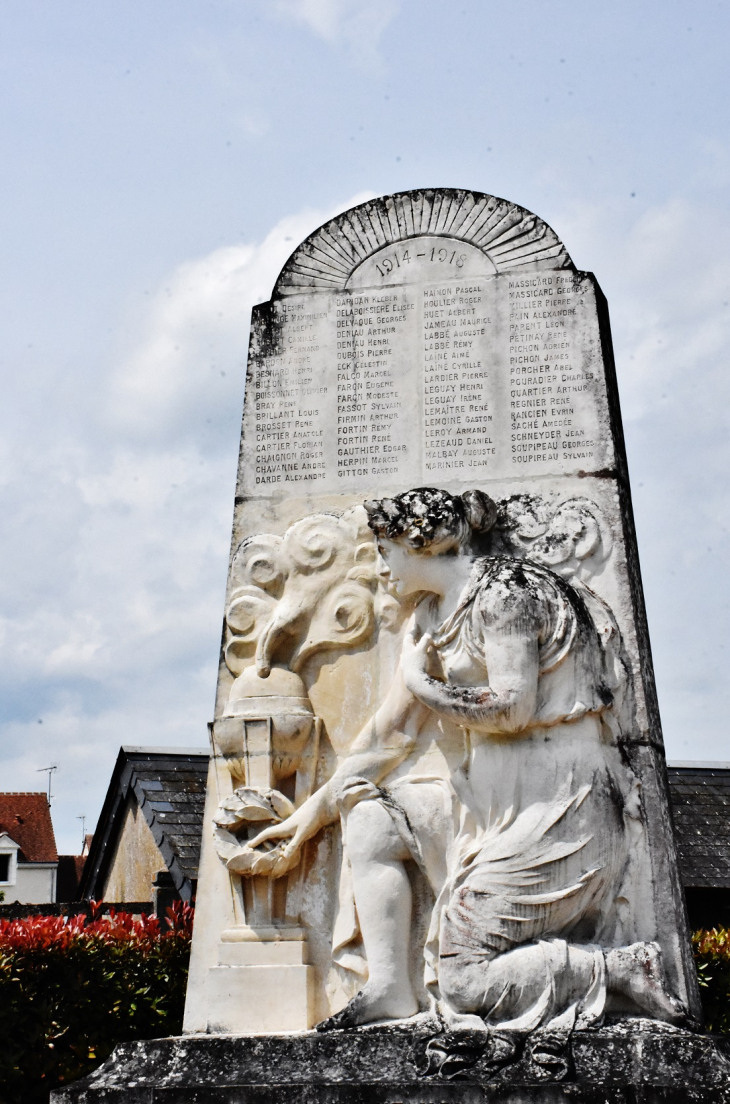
(26, 818)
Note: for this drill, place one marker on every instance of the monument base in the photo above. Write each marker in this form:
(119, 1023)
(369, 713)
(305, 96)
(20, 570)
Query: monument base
(244, 989)
(631, 1062)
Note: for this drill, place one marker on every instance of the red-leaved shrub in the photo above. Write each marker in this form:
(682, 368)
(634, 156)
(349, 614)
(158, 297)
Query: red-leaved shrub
(72, 988)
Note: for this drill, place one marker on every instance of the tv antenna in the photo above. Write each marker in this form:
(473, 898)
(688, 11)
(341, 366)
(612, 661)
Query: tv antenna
(83, 832)
(49, 771)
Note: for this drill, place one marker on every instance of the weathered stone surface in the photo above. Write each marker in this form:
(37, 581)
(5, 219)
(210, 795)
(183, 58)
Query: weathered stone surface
(441, 340)
(633, 1061)
(437, 785)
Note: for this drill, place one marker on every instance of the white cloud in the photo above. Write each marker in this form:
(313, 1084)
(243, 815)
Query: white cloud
(192, 357)
(356, 24)
(116, 537)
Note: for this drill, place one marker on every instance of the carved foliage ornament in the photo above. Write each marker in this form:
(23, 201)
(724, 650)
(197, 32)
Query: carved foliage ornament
(570, 537)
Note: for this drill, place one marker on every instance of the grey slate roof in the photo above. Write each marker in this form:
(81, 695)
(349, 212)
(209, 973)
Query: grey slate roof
(700, 794)
(168, 785)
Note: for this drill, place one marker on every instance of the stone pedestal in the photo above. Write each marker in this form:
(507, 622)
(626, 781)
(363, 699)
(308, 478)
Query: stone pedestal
(261, 980)
(247, 984)
(628, 1063)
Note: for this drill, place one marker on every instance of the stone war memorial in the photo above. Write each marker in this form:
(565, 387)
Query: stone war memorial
(438, 860)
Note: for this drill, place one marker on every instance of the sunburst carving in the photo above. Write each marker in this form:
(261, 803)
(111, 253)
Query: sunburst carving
(513, 239)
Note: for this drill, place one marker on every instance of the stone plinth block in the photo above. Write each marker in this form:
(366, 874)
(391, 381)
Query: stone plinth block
(627, 1063)
(248, 998)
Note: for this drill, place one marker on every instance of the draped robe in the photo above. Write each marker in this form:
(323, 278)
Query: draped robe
(526, 848)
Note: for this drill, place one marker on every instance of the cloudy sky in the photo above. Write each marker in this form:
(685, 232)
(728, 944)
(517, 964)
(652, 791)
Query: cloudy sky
(161, 160)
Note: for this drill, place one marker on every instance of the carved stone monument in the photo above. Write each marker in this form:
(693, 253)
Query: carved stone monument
(437, 827)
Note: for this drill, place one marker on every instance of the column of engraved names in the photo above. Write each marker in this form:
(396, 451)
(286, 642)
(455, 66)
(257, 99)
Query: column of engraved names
(457, 414)
(371, 407)
(286, 402)
(546, 382)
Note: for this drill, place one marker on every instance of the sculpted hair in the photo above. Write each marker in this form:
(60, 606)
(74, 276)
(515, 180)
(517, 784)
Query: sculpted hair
(432, 521)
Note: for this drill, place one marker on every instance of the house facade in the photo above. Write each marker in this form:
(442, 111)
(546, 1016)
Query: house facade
(28, 855)
(147, 840)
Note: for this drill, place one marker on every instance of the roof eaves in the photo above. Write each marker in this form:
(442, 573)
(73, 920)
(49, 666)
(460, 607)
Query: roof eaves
(99, 855)
(131, 749)
(697, 765)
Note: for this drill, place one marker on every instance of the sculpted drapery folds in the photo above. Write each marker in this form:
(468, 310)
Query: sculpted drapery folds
(530, 843)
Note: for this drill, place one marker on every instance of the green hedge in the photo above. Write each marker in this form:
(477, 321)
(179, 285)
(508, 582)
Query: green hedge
(70, 990)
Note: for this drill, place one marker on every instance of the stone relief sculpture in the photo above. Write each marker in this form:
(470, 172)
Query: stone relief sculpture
(314, 588)
(529, 846)
(303, 592)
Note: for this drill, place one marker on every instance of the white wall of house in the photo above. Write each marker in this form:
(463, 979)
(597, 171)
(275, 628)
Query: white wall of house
(26, 883)
(36, 884)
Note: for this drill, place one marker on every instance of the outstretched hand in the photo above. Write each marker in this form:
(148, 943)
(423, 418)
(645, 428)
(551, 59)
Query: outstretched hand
(293, 828)
(255, 858)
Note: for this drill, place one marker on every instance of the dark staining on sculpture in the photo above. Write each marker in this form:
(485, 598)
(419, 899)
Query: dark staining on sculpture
(528, 846)
(427, 518)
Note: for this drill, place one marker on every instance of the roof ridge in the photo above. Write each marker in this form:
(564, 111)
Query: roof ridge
(24, 793)
(139, 748)
(699, 764)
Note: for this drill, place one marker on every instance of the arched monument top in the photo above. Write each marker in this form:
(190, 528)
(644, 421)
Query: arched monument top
(511, 238)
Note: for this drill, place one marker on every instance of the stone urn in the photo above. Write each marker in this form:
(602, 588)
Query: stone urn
(270, 717)
(267, 735)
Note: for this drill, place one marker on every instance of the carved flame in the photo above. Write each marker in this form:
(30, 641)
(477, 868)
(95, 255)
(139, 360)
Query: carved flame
(312, 589)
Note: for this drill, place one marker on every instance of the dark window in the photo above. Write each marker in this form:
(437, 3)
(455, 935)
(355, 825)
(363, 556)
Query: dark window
(4, 868)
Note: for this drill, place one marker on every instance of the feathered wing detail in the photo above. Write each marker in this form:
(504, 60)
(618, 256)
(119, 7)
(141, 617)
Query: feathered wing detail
(510, 859)
(516, 889)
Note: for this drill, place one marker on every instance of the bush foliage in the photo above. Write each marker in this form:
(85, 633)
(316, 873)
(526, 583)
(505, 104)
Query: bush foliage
(712, 955)
(71, 989)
